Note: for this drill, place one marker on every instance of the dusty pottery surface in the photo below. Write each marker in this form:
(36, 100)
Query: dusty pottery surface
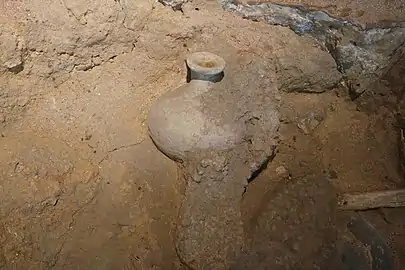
(177, 122)
(210, 231)
(217, 166)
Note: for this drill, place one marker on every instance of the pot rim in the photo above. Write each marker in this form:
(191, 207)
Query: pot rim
(205, 63)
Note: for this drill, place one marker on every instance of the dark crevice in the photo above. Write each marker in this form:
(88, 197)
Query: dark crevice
(259, 170)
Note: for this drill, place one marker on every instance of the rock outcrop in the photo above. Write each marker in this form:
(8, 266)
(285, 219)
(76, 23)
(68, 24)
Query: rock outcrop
(361, 52)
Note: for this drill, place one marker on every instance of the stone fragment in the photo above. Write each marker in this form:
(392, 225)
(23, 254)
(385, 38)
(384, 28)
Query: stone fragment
(310, 122)
(307, 70)
(174, 4)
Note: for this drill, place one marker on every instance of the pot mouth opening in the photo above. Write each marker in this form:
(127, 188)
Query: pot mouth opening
(205, 63)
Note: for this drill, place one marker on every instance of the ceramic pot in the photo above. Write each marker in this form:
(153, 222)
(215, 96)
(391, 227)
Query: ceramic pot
(176, 122)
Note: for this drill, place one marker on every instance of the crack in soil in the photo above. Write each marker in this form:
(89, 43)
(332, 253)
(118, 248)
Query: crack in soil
(107, 156)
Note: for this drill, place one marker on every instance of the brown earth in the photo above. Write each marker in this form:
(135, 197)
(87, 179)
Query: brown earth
(83, 187)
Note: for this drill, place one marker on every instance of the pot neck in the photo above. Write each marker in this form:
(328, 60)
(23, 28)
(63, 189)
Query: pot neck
(214, 78)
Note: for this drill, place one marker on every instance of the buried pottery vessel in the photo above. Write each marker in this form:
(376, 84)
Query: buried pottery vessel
(176, 122)
(222, 128)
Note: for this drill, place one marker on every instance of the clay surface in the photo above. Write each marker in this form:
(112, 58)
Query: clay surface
(216, 179)
(178, 125)
(83, 186)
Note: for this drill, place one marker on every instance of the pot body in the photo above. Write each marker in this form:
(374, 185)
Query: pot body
(177, 124)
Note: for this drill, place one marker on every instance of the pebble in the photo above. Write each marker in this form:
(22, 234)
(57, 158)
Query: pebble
(309, 123)
(282, 171)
